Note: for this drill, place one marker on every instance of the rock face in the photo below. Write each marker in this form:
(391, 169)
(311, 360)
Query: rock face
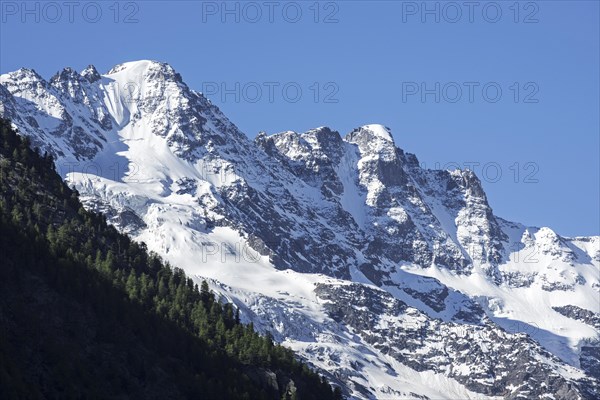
(580, 314)
(383, 274)
(483, 357)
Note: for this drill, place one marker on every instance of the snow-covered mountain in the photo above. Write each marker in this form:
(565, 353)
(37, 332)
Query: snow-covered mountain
(394, 280)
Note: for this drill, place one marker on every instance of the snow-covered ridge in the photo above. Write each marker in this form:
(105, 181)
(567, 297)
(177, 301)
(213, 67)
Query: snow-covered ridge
(300, 229)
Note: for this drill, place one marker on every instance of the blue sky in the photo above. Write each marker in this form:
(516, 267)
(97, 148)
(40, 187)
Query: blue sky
(510, 90)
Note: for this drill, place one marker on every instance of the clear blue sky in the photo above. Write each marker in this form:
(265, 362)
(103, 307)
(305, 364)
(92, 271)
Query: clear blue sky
(372, 56)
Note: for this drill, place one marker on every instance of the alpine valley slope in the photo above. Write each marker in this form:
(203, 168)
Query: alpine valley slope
(394, 280)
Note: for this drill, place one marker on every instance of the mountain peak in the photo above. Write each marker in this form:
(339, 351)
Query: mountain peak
(132, 65)
(373, 139)
(90, 73)
(23, 74)
(144, 67)
(325, 139)
(323, 133)
(371, 133)
(381, 131)
(144, 71)
(67, 74)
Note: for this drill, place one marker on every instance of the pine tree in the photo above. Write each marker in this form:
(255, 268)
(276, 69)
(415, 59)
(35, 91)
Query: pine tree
(337, 393)
(205, 294)
(131, 286)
